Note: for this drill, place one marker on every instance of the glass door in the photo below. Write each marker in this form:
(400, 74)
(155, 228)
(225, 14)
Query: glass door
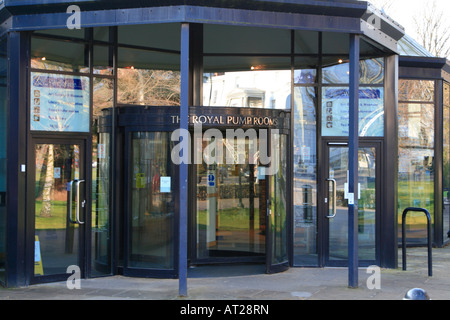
(336, 204)
(151, 215)
(231, 198)
(59, 202)
(277, 224)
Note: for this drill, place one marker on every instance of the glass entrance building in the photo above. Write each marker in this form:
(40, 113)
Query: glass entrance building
(142, 140)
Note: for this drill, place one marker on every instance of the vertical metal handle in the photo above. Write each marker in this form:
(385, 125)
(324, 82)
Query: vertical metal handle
(334, 198)
(78, 202)
(69, 212)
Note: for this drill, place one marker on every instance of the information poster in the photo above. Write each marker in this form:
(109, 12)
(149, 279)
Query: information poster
(335, 112)
(59, 103)
(165, 184)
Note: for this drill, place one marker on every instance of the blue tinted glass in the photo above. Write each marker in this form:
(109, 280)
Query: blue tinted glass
(305, 76)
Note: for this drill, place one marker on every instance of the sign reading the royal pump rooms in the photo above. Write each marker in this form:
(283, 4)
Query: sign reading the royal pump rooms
(335, 112)
(228, 120)
(59, 103)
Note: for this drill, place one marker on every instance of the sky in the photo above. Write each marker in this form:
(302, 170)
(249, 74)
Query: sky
(403, 11)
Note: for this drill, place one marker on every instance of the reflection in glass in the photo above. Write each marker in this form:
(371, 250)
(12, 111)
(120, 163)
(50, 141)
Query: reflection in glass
(338, 226)
(416, 166)
(416, 90)
(248, 89)
(446, 161)
(278, 206)
(305, 177)
(371, 71)
(152, 203)
(58, 55)
(56, 245)
(148, 77)
(305, 76)
(101, 177)
(103, 60)
(231, 204)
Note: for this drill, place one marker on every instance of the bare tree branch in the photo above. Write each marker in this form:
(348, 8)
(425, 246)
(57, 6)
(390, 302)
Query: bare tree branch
(433, 29)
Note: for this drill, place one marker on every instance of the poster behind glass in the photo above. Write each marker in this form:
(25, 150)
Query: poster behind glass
(59, 103)
(335, 111)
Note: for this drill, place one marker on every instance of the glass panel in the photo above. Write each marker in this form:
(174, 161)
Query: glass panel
(56, 238)
(101, 34)
(306, 62)
(416, 167)
(335, 111)
(278, 205)
(221, 64)
(152, 202)
(148, 78)
(162, 35)
(58, 55)
(416, 90)
(59, 103)
(446, 161)
(3, 152)
(231, 202)
(66, 32)
(338, 226)
(248, 89)
(306, 42)
(101, 177)
(337, 73)
(217, 39)
(371, 71)
(305, 76)
(335, 43)
(103, 60)
(305, 177)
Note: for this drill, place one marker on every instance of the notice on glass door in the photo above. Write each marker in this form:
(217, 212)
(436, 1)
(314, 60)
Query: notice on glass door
(165, 184)
(59, 103)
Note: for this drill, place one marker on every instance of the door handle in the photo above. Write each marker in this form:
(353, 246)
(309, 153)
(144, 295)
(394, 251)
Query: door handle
(69, 212)
(78, 202)
(334, 198)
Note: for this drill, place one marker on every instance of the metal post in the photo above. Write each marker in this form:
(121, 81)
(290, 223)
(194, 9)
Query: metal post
(183, 168)
(429, 238)
(353, 163)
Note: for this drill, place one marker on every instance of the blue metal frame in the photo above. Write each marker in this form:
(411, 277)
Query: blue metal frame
(183, 175)
(353, 163)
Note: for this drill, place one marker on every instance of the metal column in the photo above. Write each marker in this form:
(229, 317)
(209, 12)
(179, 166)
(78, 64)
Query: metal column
(183, 187)
(353, 163)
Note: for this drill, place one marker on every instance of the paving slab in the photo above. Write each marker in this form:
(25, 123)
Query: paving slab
(249, 282)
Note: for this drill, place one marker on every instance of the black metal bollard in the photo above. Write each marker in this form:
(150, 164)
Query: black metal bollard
(430, 264)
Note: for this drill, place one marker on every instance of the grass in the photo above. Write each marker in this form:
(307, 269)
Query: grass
(57, 219)
(230, 219)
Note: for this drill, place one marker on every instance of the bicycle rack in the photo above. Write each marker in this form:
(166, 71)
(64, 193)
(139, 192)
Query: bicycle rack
(430, 265)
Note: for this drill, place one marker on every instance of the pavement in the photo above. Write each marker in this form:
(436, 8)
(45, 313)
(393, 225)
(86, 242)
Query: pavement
(249, 282)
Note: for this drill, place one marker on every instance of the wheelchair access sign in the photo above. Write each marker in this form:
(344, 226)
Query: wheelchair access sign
(211, 180)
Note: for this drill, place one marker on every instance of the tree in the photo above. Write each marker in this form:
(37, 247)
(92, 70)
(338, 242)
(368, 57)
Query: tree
(433, 29)
(48, 184)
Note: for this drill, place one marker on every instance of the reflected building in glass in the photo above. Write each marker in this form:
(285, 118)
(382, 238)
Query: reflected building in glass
(93, 171)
